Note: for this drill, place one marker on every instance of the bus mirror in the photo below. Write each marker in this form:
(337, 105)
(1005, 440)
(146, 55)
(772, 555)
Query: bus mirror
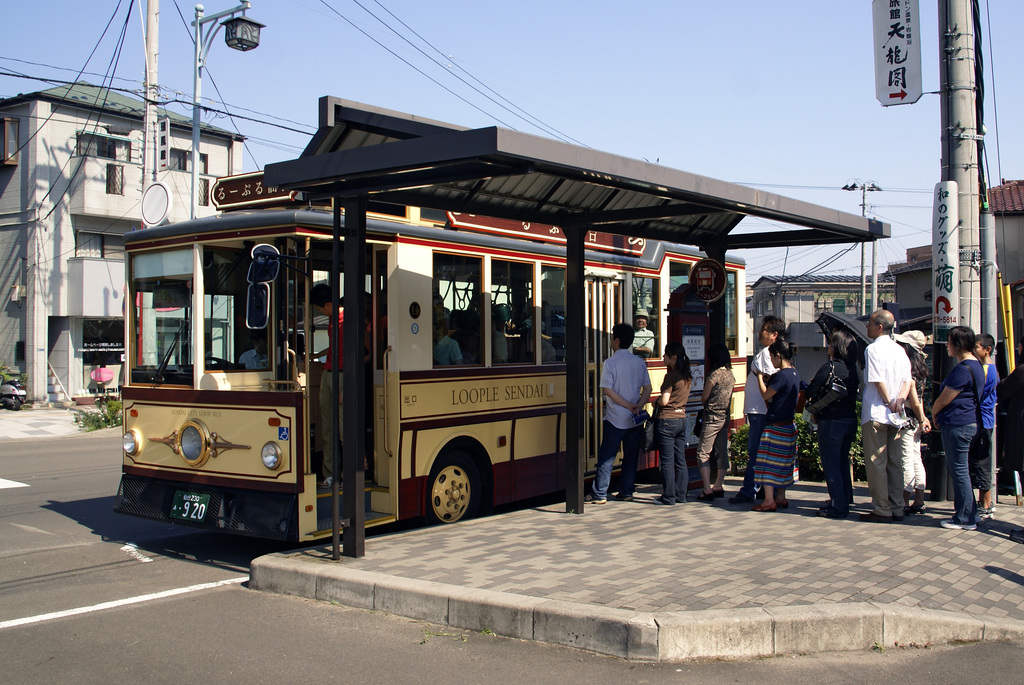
(266, 262)
(257, 306)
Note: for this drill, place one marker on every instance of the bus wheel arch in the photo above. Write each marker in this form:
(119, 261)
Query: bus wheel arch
(459, 485)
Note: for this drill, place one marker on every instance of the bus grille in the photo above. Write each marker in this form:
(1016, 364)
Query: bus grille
(259, 514)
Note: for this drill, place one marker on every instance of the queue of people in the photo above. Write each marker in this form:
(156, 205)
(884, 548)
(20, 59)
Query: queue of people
(893, 420)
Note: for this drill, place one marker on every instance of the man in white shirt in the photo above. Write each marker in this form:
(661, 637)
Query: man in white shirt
(627, 388)
(887, 382)
(754, 408)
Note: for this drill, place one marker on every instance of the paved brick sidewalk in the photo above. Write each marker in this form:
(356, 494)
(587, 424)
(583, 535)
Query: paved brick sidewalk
(634, 555)
(37, 423)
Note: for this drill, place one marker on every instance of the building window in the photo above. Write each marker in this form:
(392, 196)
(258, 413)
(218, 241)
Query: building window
(839, 305)
(8, 141)
(203, 190)
(99, 245)
(115, 179)
(98, 145)
(646, 317)
(512, 315)
(181, 160)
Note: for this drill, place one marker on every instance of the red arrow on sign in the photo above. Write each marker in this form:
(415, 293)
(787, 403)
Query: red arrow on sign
(902, 94)
(943, 301)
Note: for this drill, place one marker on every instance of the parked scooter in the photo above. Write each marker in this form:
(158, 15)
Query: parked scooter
(12, 395)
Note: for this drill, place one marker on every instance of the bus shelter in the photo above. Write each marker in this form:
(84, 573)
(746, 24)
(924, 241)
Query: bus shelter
(362, 154)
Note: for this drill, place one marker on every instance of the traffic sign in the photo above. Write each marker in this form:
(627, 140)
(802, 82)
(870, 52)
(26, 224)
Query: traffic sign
(897, 51)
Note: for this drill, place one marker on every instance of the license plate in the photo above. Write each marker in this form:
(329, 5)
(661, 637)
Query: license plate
(189, 506)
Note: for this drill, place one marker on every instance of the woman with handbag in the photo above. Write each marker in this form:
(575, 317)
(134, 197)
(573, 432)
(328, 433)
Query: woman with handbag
(714, 432)
(670, 425)
(832, 400)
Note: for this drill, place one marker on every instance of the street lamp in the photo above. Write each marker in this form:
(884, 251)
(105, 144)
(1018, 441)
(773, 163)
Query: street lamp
(864, 189)
(240, 33)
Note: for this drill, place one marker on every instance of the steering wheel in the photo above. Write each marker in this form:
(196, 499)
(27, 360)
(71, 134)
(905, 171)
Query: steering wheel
(218, 364)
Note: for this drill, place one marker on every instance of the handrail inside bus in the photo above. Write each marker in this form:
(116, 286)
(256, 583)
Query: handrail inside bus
(387, 412)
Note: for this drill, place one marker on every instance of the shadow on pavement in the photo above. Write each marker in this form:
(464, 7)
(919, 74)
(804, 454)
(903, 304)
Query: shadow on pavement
(221, 550)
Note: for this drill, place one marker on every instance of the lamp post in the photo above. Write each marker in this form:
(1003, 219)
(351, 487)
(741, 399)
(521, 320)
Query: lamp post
(864, 189)
(240, 33)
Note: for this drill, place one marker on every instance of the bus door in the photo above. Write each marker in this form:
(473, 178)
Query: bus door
(603, 310)
(379, 468)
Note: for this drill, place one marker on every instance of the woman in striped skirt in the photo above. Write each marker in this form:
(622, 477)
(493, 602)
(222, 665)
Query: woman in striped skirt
(775, 456)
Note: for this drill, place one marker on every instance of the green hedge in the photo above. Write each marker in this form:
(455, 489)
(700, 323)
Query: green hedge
(105, 416)
(807, 452)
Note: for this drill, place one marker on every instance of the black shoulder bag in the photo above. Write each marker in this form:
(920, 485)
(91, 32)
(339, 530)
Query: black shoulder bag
(833, 391)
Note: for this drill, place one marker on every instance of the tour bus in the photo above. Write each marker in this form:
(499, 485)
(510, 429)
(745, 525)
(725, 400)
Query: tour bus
(465, 351)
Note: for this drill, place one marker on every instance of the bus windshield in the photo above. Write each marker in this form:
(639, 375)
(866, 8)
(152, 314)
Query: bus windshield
(161, 342)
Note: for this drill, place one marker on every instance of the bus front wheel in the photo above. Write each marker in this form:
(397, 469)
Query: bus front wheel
(455, 490)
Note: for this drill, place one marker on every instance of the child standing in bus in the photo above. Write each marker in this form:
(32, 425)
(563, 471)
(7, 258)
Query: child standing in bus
(627, 388)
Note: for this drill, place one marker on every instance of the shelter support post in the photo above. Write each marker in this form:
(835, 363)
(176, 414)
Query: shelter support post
(575, 370)
(716, 310)
(335, 455)
(354, 536)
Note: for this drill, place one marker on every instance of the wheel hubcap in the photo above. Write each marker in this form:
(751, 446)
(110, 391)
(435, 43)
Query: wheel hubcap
(450, 494)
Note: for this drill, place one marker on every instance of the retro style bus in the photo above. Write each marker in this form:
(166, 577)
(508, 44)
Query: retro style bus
(465, 354)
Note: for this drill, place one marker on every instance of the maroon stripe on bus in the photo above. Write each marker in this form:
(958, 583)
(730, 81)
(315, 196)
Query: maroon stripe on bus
(511, 371)
(412, 497)
(418, 425)
(201, 479)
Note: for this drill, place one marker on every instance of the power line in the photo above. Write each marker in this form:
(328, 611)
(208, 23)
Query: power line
(415, 68)
(515, 110)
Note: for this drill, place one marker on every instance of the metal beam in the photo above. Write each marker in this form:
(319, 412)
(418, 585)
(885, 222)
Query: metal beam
(575, 370)
(663, 211)
(355, 377)
(738, 241)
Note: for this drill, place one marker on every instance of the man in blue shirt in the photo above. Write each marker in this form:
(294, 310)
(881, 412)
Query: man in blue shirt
(627, 388)
(980, 458)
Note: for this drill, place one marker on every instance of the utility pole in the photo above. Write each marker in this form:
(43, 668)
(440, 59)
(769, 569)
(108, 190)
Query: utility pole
(865, 188)
(960, 144)
(149, 156)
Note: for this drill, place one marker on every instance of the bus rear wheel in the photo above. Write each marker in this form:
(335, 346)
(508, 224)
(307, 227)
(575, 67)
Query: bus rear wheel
(454, 490)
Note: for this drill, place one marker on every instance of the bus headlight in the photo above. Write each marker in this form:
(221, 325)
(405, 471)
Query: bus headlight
(130, 442)
(194, 442)
(271, 455)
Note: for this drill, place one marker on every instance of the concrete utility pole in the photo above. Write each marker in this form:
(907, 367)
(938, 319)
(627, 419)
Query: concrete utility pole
(149, 156)
(960, 143)
(865, 188)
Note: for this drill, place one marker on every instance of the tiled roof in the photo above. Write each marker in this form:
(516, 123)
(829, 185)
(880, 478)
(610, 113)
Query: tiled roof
(1007, 198)
(87, 95)
(824, 279)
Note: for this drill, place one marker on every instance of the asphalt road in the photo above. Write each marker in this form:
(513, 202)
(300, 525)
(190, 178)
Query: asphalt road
(62, 548)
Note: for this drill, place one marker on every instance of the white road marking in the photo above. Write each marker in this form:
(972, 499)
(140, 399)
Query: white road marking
(31, 529)
(11, 484)
(132, 550)
(119, 603)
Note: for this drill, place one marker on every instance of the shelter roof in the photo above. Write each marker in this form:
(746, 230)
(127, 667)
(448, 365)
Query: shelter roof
(395, 157)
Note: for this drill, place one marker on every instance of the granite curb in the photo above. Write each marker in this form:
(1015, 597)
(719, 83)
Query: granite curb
(666, 636)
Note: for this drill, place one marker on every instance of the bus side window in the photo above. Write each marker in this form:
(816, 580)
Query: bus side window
(457, 313)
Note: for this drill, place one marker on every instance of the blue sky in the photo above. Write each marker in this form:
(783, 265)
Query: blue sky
(778, 95)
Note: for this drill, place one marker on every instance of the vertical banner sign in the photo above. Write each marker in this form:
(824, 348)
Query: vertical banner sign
(897, 51)
(945, 260)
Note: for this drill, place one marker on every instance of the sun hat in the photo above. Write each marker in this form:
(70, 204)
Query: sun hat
(915, 339)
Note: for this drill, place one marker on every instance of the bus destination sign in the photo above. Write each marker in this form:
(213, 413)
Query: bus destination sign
(247, 190)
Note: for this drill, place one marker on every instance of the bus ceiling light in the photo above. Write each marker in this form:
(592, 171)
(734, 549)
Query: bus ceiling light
(271, 456)
(130, 442)
(194, 442)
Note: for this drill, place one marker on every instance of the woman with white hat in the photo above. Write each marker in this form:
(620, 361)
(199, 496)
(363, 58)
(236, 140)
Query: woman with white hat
(913, 343)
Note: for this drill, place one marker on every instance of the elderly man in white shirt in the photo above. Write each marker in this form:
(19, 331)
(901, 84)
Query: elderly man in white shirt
(887, 382)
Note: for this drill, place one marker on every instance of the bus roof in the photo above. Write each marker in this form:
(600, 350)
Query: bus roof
(400, 158)
(241, 223)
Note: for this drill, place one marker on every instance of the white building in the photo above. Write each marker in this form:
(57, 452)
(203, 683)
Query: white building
(71, 181)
